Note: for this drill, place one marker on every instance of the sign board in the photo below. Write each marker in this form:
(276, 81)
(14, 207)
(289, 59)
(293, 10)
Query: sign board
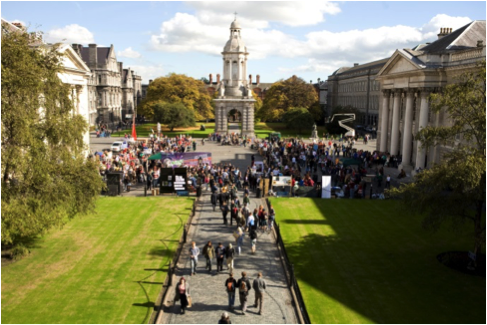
(259, 167)
(326, 187)
(147, 151)
(180, 179)
(127, 116)
(186, 159)
(166, 180)
(281, 181)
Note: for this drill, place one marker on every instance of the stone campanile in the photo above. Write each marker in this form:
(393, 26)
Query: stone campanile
(234, 89)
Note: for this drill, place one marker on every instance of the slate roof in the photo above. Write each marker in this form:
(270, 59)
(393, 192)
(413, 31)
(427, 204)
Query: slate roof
(463, 38)
(101, 53)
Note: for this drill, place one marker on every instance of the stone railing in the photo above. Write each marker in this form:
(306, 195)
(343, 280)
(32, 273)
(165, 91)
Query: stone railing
(469, 54)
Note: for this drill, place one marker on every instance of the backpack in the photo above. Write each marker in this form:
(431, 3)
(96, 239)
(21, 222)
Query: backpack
(230, 286)
(243, 287)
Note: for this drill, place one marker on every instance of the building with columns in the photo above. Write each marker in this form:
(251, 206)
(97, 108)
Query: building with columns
(408, 78)
(234, 90)
(113, 91)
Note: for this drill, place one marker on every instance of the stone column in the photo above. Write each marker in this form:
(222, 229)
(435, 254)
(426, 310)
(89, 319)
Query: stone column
(384, 120)
(396, 115)
(423, 122)
(408, 131)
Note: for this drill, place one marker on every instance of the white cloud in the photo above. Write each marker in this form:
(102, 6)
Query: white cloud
(257, 14)
(129, 53)
(149, 71)
(70, 34)
(207, 30)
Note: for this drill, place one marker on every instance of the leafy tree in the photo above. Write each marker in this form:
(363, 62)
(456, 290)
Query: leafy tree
(299, 119)
(46, 179)
(257, 104)
(177, 115)
(317, 112)
(455, 189)
(177, 88)
(284, 94)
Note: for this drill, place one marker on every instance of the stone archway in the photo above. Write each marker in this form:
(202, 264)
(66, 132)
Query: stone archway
(246, 108)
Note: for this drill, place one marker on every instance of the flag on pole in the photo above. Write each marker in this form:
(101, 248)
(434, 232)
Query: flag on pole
(134, 134)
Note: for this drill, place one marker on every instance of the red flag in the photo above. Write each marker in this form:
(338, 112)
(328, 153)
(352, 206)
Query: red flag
(134, 134)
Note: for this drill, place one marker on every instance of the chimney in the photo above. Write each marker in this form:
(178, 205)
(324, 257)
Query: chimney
(355, 64)
(150, 80)
(211, 78)
(480, 43)
(257, 79)
(250, 79)
(77, 48)
(92, 55)
(217, 78)
(120, 67)
(444, 32)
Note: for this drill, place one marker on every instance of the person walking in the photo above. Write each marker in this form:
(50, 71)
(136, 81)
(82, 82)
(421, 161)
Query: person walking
(234, 214)
(230, 254)
(224, 209)
(214, 200)
(272, 217)
(240, 239)
(243, 285)
(259, 289)
(388, 182)
(225, 319)
(231, 285)
(183, 294)
(220, 255)
(253, 240)
(209, 253)
(194, 252)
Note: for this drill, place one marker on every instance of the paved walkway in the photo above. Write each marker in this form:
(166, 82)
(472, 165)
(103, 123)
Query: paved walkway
(208, 290)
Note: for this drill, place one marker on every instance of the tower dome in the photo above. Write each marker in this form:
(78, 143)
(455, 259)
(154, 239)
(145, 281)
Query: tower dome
(235, 24)
(235, 43)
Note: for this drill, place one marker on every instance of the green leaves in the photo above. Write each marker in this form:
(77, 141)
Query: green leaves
(176, 88)
(298, 118)
(45, 176)
(284, 94)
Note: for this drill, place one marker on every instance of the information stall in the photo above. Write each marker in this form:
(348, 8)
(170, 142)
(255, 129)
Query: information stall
(281, 185)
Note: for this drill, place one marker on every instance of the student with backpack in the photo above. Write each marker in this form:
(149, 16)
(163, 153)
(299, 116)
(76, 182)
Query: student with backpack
(231, 285)
(253, 240)
(243, 285)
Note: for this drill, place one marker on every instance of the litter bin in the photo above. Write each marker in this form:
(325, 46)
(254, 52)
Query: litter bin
(198, 191)
(258, 193)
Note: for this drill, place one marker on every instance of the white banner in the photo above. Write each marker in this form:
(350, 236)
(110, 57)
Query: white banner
(326, 187)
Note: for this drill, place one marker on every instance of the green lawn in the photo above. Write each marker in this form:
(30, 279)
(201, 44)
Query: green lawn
(108, 267)
(369, 261)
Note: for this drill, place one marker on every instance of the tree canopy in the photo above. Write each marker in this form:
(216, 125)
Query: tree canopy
(174, 115)
(454, 189)
(284, 94)
(298, 118)
(178, 88)
(46, 178)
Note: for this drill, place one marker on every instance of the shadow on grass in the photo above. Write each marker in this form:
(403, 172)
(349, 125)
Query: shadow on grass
(381, 266)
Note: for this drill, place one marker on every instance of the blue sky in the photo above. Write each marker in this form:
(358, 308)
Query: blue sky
(309, 39)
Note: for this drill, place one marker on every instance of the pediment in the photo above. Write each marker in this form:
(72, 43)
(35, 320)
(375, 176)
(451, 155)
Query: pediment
(399, 63)
(72, 61)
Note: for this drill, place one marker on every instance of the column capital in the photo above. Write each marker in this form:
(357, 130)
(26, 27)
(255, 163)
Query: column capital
(426, 91)
(410, 91)
(397, 91)
(386, 92)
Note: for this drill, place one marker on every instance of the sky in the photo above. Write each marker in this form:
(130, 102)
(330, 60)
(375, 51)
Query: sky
(309, 39)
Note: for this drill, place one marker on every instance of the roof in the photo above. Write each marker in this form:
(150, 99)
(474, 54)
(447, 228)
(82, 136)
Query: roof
(235, 24)
(463, 38)
(101, 53)
(359, 67)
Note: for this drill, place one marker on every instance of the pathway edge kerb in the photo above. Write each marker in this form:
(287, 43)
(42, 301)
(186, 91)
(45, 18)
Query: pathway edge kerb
(165, 295)
(296, 303)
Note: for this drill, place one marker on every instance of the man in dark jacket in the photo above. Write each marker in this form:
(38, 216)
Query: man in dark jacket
(214, 200)
(244, 287)
(231, 286)
(259, 289)
(220, 256)
(225, 211)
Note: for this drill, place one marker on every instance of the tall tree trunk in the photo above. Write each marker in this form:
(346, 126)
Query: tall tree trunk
(478, 229)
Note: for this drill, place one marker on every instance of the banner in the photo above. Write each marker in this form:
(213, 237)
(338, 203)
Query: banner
(326, 187)
(183, 158)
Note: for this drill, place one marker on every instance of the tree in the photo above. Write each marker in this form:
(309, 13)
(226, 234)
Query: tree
(174, 115)
(298, 118)
(317, 112)
(177, 88)
(284, 94)
(257, 104)
(46, 179)
(454, 189)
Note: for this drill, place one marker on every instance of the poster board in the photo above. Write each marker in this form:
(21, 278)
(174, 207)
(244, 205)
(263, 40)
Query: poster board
(166, 180)
(259, 167)
(326, 187)
(180, 179)
(281, 185)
